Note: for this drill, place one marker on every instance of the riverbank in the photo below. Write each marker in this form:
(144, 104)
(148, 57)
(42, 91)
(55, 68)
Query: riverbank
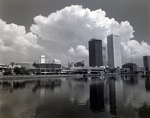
(19, 77)
(26, 77)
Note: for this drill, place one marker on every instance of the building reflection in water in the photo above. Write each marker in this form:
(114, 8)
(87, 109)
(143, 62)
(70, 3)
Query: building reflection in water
(112, 96)
(12, 85)
(97, 97)
(102, 93)
(79, 91)
(133, 80)
(130, 79)
(147, 84)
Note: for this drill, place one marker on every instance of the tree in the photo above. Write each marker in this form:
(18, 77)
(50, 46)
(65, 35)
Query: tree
(35, 65)
(12, 64)
(7, 72)
(17, 70)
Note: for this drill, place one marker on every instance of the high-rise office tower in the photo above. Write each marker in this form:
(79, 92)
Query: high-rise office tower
(104, 56)
(114, 51)
(95, 52)
(146, 62)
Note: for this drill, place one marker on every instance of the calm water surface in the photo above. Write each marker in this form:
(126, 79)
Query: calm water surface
(111, 97)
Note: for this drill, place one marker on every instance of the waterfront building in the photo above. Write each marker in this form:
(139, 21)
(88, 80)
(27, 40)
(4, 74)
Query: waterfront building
(79, 64)
(71, 64)
(76, 64)
(3, 68)
(146, 62)
(131, 66)
(134, 68)
(95, 52)
(114, 51)
(125, 70)
(84, 70)
(48, 68)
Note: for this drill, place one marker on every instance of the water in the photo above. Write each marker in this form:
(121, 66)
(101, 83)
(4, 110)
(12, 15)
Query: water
(111, 97)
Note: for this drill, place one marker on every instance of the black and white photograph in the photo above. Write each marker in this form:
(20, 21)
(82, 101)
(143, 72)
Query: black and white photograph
(74, 58)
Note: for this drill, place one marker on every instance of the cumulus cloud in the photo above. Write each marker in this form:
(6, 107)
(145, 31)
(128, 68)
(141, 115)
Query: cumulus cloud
(17, 45)
(79, 51)
(125, 31)
(71, 51)
(77, 23)
(135, 51)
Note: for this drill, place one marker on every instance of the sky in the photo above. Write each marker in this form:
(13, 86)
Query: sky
(61, 29)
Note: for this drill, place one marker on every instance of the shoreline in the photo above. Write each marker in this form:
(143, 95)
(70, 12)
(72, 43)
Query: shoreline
(19, 77)
(28, 77)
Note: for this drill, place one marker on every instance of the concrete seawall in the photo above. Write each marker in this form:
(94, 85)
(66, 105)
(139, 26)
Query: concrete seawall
(17, 77)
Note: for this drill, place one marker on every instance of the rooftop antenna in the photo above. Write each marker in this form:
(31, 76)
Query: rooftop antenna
(49, 59)
(131, 55)
(93, 31)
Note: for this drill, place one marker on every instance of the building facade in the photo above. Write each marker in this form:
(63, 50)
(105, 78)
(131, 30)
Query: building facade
(146, 62)
(132, 66)
(104, 56)
(114, 51)
(48, 68)
(79, 64)
(76, 64)
(95, 52)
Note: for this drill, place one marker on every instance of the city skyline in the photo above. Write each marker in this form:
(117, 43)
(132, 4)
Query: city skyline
(67, 40)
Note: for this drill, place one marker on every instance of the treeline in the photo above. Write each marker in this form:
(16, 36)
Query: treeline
(17, 71)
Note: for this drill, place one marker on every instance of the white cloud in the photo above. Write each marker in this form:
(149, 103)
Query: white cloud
(135, 50)
(17, 45)
(80, 51)
(71, 51)
(77, 23)
(126, 31)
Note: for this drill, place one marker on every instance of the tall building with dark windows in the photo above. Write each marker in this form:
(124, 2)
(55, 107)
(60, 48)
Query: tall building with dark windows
(114, 51)
(146, 62)
(95, 52)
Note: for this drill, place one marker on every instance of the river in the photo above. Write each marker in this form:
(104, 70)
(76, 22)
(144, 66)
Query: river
(96, 97)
